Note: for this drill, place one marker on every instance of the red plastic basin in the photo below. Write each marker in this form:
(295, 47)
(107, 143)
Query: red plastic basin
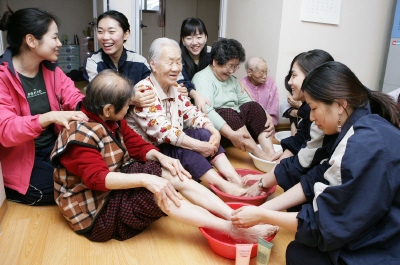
(255, 200)
(224, 245)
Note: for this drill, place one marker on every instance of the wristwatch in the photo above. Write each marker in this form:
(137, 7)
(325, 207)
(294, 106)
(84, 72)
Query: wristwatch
(260, 184)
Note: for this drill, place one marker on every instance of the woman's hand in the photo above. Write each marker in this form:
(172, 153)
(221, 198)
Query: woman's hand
(183, 90)
(174, 166)
(163, 191)
(277, 156)
(246, 216)
(199, 101)
(253, 190)
(239, 139)
(293, 103)
(215, 140)
(215, 137)
(61, 118)
(250, 178)
(206, 149)
(143, 98)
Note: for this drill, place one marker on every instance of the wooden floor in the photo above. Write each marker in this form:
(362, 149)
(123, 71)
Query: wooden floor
(40, 235)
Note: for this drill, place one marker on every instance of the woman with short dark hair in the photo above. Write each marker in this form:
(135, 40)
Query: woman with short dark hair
(238, 118)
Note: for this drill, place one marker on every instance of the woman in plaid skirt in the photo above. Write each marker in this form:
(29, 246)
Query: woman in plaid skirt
(101, 202)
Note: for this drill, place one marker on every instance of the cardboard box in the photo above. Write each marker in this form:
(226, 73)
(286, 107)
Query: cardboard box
(3, 201)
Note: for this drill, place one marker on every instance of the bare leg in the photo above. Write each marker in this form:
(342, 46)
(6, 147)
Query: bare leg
(195, 215)
(199, 195)
(266, 143)
(226, 169)
(251, 146)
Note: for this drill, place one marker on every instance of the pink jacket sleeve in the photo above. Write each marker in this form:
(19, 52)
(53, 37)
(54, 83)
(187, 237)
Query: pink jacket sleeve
(17, 125)
(66, 94)
(274, 108)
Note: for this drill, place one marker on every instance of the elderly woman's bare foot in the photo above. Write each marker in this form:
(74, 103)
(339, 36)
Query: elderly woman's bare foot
(235, 179)
(263, 155)
(251, 234)
(232, 189)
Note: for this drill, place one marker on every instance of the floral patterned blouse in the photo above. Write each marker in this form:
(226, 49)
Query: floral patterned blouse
(164, 122)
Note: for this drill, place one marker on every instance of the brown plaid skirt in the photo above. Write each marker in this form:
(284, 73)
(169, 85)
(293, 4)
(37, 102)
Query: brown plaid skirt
(127, 212)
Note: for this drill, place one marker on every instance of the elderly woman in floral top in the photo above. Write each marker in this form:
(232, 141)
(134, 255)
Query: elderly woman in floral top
(177, 127)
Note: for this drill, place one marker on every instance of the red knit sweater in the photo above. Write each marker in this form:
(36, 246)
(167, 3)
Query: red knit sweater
(88, 162)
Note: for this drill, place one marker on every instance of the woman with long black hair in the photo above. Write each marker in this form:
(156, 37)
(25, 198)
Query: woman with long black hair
(36, 99)
(353, 199)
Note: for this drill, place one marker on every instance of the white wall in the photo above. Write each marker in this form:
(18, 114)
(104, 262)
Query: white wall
(256, 24)
(273, 30)
(74, 15)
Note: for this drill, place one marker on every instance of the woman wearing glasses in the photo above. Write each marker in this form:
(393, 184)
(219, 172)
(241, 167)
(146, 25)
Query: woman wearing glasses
(261, 87)
(238, 118)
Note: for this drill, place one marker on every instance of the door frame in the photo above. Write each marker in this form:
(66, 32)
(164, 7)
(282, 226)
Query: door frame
(1, 43)
(106, 6)
(136, 35)
(222, 18)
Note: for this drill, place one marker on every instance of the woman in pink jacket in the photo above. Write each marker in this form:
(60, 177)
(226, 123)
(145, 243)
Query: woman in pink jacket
(36, 99)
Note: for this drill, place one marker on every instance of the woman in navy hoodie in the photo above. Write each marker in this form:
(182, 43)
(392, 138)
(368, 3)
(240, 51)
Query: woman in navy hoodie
(353, 210)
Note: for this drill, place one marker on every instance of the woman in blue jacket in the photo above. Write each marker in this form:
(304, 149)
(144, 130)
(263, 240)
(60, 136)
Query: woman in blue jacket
(353, 210)
(113, 31)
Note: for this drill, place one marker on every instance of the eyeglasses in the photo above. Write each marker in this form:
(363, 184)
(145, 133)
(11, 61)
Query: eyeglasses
(231, 67)
(260, 73)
